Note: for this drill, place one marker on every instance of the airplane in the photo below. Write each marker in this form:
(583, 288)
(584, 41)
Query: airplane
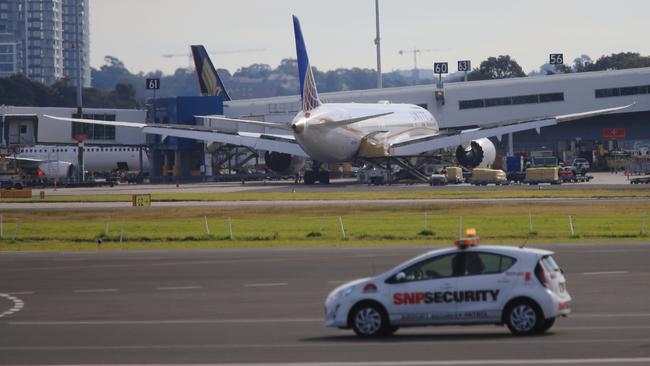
(355, 132)
(210, 84)
(60, 161)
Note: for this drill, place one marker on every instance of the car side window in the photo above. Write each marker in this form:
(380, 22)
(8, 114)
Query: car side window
(428, 269)
(476, 263)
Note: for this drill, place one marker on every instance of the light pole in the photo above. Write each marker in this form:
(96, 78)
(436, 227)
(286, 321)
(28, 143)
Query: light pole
(377, 43)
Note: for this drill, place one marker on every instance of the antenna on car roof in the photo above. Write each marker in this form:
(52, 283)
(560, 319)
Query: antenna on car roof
(460, 228)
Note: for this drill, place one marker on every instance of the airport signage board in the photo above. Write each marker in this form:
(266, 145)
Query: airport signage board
(464, 65)
(141, 200)
(556, 59)
(152, 84)
(614, 133)
(440, 68)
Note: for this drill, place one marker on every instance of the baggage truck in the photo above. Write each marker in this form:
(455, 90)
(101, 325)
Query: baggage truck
(542, 175)
(483, 177)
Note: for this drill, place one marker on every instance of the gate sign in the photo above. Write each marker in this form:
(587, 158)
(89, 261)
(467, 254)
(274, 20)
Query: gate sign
(440, 68)
(614, 133)
(464, 65)
(153, 84)
(556, 59)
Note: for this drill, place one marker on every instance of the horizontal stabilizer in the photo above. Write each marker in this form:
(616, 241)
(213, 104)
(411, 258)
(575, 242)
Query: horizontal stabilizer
(345, 122)
(281, 126)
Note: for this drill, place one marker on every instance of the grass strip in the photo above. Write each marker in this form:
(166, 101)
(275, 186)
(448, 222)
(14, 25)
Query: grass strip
(137, 228)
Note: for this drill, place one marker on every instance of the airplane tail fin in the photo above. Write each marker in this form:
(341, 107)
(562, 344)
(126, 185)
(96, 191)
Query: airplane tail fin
(209, 81)
(308, 91)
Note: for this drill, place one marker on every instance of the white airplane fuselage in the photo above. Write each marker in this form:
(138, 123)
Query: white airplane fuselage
(96, 158)
(329, 144)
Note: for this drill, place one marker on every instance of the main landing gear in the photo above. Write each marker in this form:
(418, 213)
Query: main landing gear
(312, 176)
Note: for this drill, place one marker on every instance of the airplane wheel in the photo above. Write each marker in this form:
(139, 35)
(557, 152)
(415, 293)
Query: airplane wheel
(324, 177)
(310, 177)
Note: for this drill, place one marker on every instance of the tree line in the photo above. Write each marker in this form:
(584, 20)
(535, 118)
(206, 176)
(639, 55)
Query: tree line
(114, 86)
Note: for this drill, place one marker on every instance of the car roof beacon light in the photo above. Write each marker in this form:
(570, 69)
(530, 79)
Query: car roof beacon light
(471, 239)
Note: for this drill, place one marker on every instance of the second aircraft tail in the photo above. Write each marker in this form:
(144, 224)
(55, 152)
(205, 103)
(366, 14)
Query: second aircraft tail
(209, 81)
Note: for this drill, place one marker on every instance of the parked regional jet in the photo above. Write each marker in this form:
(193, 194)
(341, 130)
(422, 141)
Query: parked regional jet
(60, 162)
(348, 132)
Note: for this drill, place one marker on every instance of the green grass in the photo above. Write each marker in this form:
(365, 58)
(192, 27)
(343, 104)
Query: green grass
(301, 226)
(506, 192)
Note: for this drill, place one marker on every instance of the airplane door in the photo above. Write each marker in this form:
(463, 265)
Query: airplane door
(423, 292)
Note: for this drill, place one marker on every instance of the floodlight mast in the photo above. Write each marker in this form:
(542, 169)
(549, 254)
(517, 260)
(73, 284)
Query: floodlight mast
(378, 44)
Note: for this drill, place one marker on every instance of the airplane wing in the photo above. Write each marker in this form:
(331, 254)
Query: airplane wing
(399, 146)
(258, 141)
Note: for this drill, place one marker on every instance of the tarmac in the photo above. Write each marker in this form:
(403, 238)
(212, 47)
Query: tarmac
(265, 306)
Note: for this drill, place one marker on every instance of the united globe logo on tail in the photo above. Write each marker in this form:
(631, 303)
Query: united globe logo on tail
(308, 91)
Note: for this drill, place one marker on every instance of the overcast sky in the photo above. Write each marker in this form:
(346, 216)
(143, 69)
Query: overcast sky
(340, 33)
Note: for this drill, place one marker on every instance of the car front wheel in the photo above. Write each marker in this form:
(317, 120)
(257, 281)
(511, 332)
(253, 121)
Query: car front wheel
(370, 320)
(524, 318)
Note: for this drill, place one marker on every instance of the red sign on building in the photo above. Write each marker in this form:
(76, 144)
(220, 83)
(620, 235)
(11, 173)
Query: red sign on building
(614, 133)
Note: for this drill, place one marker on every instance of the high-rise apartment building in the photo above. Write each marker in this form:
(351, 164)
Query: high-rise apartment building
(40, 39)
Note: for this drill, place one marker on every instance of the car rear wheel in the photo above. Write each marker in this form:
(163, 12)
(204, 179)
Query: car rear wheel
(524, 318)
(370, 320)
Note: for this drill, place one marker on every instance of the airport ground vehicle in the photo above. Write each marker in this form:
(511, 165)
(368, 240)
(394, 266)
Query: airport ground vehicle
(483, 177)
(520, 287)
(454, 175)
(542, 175)
(438, 180)
(569, 174)
(581, 165)
(640, 180)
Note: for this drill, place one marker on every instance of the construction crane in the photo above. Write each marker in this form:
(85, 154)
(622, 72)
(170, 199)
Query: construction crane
(415, 51)
(415, 74)
(226, 52)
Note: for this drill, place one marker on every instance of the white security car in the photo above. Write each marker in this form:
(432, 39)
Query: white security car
(520, 287)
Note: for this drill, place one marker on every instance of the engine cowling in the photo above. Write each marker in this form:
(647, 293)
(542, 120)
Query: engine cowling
(478, 154)
(56, 169)
(284, 163)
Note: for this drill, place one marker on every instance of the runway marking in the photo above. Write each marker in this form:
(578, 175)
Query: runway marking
(612, 315)
(359, 344)
(172, 288)
(18, 305)
(22, 293)
(95, 290)
(178, 321)
(605, 273)
(556, 361)
(266, 284)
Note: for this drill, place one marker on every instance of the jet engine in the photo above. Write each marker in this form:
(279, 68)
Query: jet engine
(56, 169)
(283, 163)
(478, 154)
